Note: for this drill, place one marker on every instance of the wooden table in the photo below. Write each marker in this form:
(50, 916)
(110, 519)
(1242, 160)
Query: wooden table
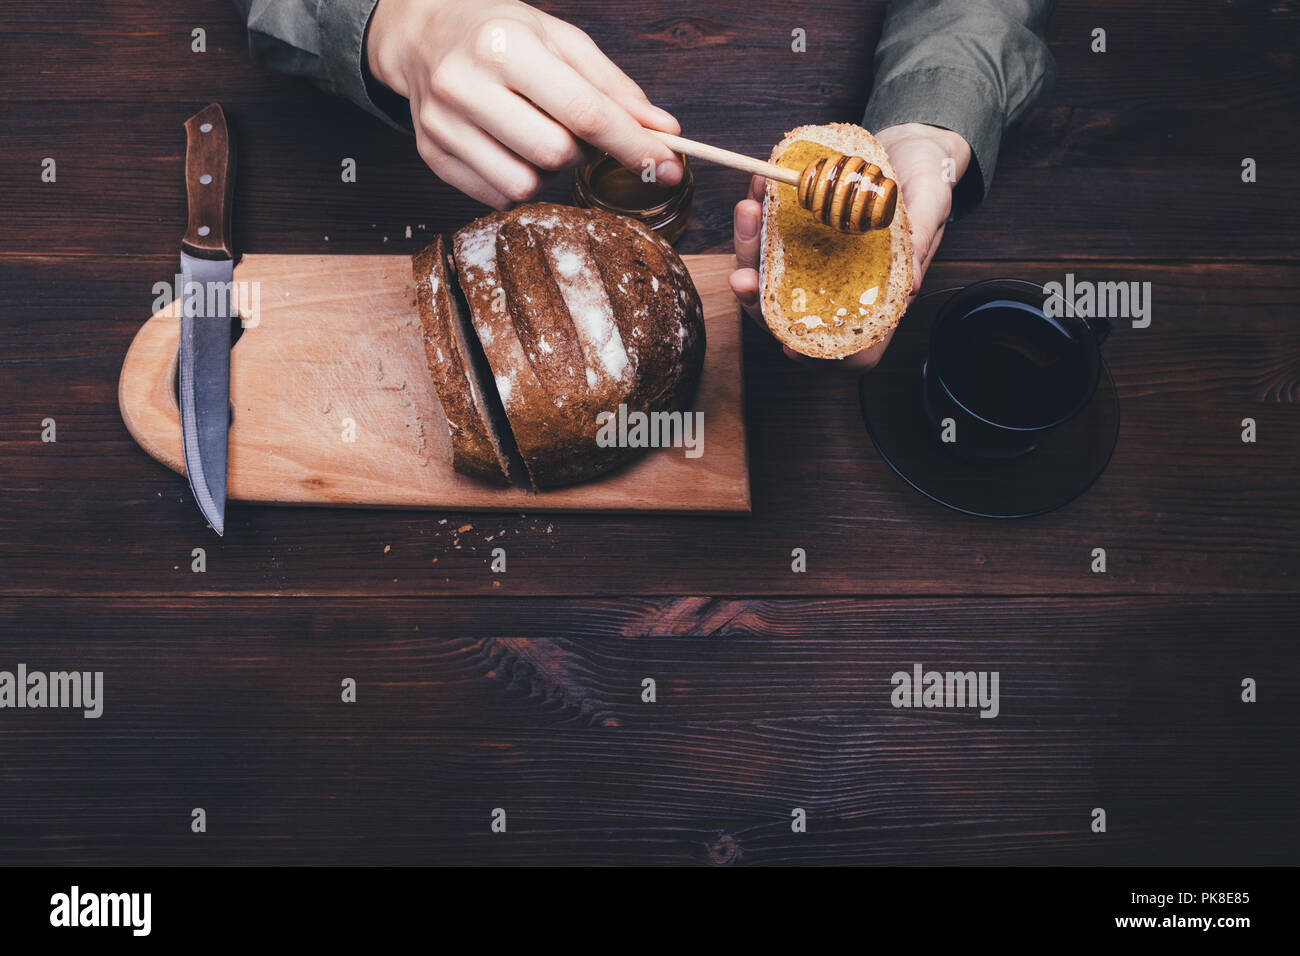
(523, 691)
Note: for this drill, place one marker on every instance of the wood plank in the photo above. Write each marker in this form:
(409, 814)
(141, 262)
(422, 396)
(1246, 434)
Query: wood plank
(334, 342)
(1129, 125)
(1157, 52)
(241, 716)
(1123, 698)
(503, 665)
(1185, 506)
(1104, 203)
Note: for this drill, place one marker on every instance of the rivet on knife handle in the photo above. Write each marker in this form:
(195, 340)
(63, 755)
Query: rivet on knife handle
(209, 184)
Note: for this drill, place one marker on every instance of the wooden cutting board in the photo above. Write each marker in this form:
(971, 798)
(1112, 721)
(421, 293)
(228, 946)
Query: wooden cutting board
(332, 403)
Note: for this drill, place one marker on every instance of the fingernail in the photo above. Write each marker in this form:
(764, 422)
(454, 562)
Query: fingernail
(746, 226)
(669, 172)
(665, 118)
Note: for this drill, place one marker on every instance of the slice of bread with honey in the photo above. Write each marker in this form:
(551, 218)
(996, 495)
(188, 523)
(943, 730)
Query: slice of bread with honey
(825, 293)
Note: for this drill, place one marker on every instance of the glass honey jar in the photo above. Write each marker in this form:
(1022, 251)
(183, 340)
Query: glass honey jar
(605, 184)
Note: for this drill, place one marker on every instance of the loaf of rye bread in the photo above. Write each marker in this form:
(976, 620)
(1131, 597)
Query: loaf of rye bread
(577, 312)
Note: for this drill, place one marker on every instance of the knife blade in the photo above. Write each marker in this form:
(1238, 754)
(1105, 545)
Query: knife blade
(208, 303)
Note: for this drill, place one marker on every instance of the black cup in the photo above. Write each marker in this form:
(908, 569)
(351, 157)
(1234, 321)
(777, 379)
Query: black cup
(1007, 365)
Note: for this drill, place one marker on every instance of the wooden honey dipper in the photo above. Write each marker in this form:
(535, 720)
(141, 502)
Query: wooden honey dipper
(845, 192)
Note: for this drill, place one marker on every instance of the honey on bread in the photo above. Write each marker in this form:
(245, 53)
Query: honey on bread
(831, 278)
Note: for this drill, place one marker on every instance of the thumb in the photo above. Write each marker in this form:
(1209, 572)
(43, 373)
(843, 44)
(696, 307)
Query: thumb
(927, 210)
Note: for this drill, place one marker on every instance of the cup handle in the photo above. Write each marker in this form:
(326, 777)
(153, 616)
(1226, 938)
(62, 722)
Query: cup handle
(1100, 328)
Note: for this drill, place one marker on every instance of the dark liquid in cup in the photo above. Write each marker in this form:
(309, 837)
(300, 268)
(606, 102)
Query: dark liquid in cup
(1012, 365)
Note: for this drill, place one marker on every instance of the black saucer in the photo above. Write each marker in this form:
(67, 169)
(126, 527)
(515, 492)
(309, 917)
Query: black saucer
(1063, 466)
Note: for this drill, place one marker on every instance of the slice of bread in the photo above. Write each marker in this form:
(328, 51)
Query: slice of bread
(827, 294)
(480, 438)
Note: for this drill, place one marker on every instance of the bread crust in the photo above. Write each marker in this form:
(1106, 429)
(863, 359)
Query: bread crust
(578, 311)
(888, 309)
(474, 450)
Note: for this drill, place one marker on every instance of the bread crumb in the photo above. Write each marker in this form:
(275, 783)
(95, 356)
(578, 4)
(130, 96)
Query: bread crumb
(387, 548)
(463, 528)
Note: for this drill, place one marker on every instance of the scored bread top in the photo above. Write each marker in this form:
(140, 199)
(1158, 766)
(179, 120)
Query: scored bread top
(865, 316)
(578, 311)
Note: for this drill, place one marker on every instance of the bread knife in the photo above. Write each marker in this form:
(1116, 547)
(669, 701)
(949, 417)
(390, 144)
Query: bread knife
(208, 303)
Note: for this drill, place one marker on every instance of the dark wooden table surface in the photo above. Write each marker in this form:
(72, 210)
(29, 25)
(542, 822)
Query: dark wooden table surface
(523, 691)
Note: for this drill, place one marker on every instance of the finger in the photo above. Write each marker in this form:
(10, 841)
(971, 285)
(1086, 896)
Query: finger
(757, 188)
(869, 357)
(748, 220)
(522, 128)
(652, 117)
(582, 53)
(458, 175)
(569, 98)
(744, 283)
(854, 364)
(802, 359)
(928, 204)
(922, 239)
(509, 175)
(922, 265)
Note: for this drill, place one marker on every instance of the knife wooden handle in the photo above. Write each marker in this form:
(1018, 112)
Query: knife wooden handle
(209, 184)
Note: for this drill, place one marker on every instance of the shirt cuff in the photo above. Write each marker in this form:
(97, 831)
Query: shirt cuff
(955, 99)
(343, 48)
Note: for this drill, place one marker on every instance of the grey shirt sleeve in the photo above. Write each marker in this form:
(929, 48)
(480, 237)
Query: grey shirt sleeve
(324, 41)
(971, 66)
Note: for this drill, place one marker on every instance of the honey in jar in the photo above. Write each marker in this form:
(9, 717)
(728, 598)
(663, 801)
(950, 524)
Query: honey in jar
(605, 184)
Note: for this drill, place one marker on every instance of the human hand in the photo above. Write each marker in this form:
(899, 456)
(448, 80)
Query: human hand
(503, 94)
(917, 153)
